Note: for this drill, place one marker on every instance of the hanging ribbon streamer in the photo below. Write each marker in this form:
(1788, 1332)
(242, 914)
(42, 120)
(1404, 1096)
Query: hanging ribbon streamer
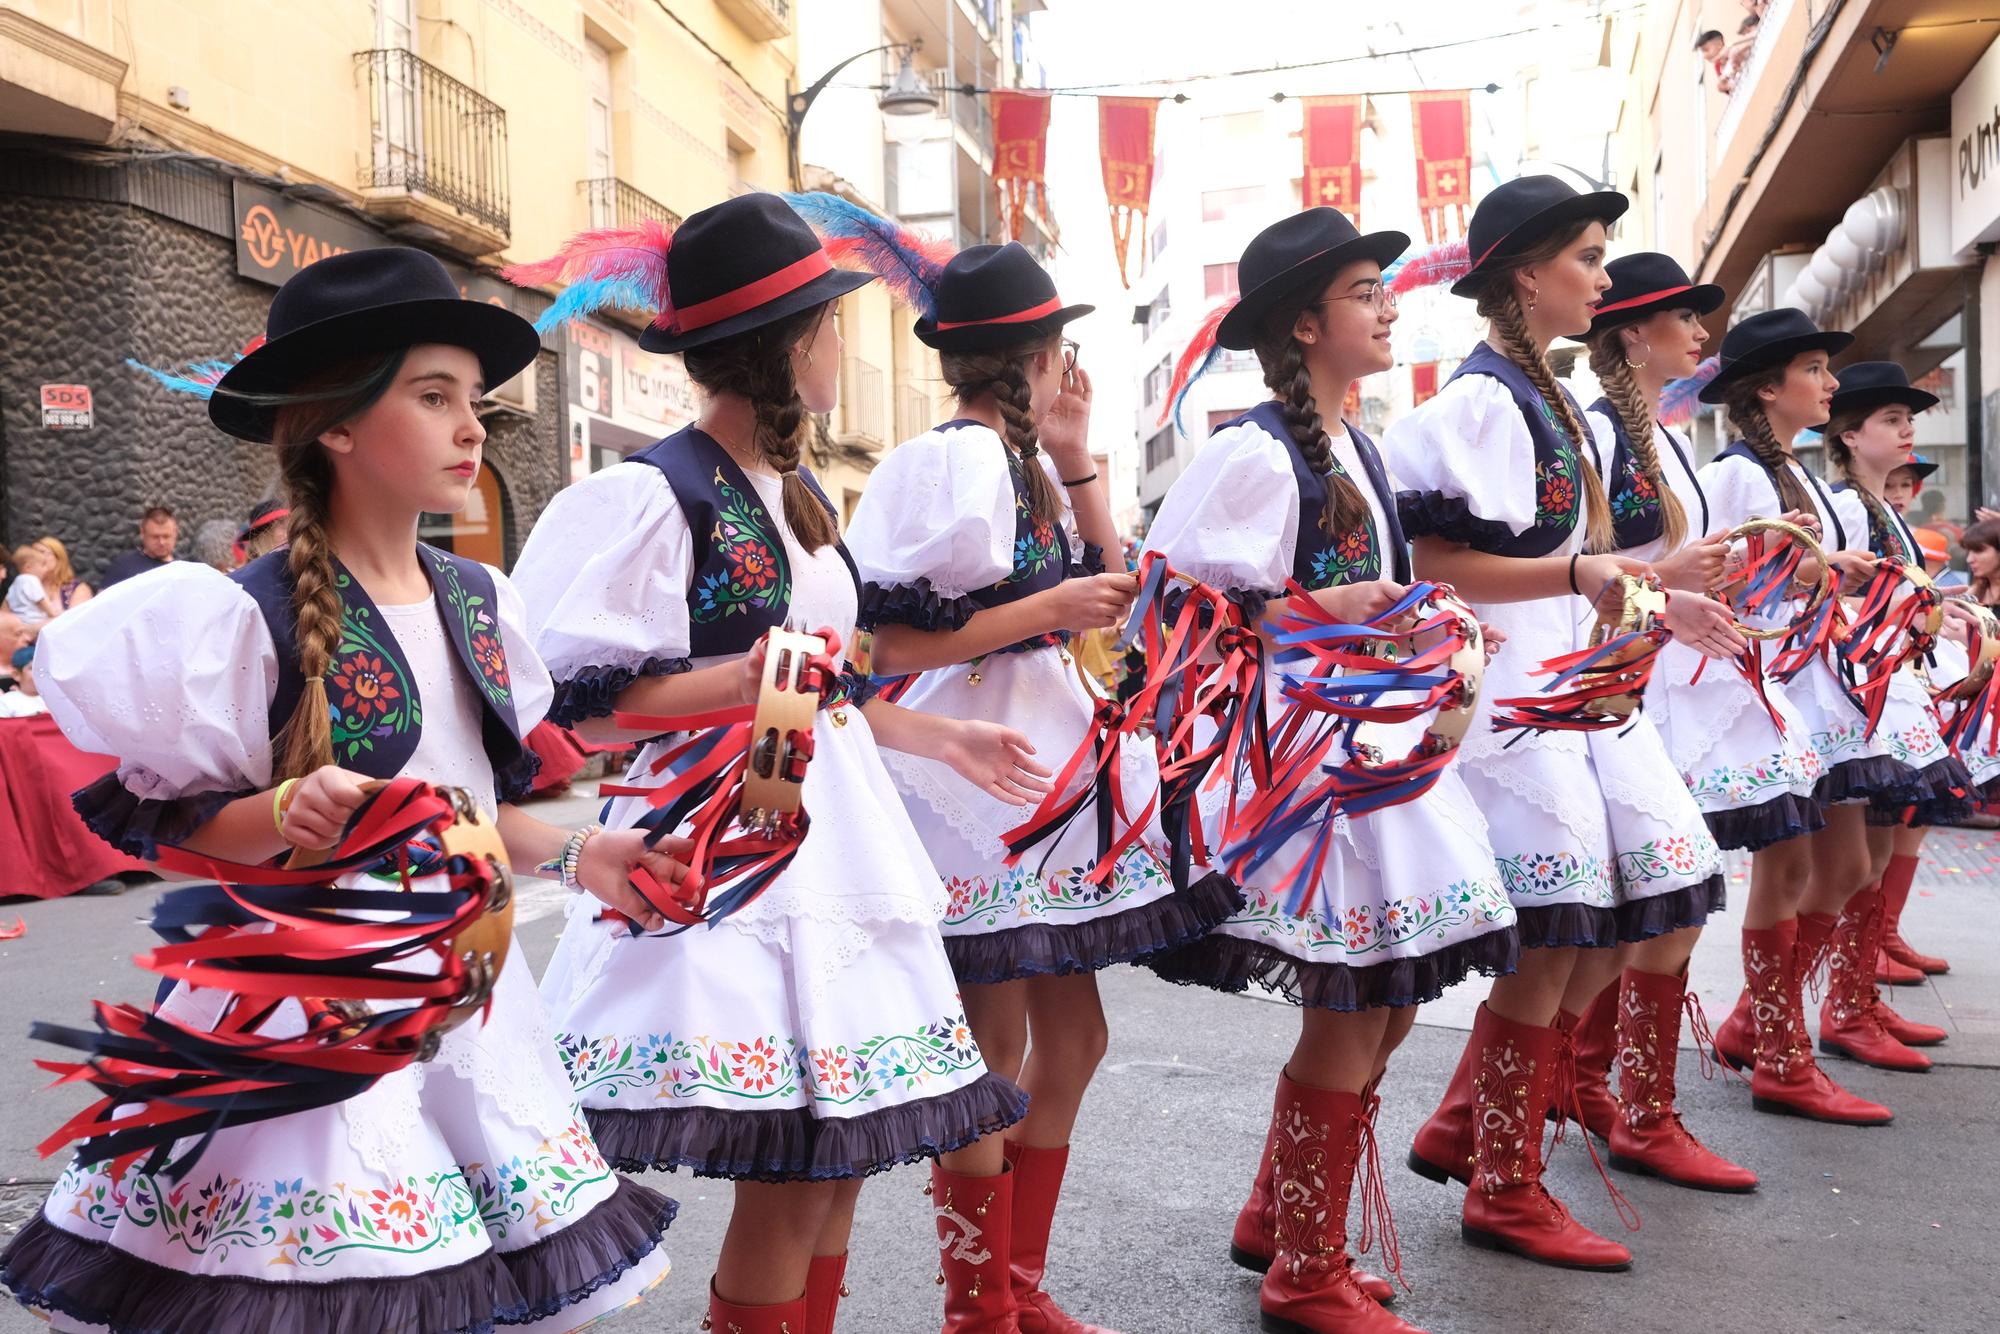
(1020, 151)
(732, 788)
(1758, 586)
(1602, 685)
(1969, 709)
(265, 936)
(1898, 617)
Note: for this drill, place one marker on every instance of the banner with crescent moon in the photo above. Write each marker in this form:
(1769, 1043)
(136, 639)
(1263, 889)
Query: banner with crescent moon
(1020, 151)
(1423, 382)
(1442, 126)
(1332, 139)
(1125, 127)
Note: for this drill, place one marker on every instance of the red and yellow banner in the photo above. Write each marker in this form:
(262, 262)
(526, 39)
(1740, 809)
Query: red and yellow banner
(1332, 139)
(1442, 126)
(1125, 127)
(1423, 382)
(1020, 151)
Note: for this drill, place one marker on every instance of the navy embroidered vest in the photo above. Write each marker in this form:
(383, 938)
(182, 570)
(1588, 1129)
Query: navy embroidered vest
(1558, 466)
(1322, 559)
(1636, 517)
(1830, 524)
(741, 585)
(1041, 550)
(376, 705)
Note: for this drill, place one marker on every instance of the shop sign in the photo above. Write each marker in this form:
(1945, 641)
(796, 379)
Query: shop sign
(1975, 155)
(66, 407)
(616, 384)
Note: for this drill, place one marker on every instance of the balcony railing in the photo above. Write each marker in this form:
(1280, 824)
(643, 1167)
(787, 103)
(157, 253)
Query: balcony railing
(1758, 56)
(765, 20)
(436, 137)
(914, 412)
(862, 401)
(613, 203)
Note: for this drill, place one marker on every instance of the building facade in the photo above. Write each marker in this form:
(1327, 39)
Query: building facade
(167, 165)
(1843, 158)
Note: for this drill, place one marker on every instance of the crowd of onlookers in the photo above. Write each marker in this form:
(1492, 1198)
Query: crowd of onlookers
(1727, 57)
(38, 583)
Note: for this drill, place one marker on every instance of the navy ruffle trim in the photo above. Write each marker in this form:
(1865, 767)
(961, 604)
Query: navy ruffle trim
(1939, 793)
(1231, 963)
(1862, 779)
(96, 1283)
(1041, 950)
(137, 826)
(916, 605)
(517, 780)
(1435, 514)
(1090, 562)
(793, 1144)
(1752, 828)
(593, 692)
(565, 1267)
(1560, 925)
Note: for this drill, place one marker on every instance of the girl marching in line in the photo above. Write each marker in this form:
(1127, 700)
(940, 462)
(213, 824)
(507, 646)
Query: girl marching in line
(1774, 378)
(981, 543)
(246, 711)
(1751, 778)
(1869, 434)
(1411, 900)
(1598, 842)
(815, 1036)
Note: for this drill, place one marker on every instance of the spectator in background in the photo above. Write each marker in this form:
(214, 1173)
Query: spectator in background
(159, 532)
(70, 591)
(263, 531)
(1982, 558)
(215, 545)
(28, 597)
(1713, 47)
(23, 701)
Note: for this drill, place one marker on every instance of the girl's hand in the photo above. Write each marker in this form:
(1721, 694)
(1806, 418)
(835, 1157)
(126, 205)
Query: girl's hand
(319, 806)
(1704, 625)
(1959, 621)
(1596, 577)
(1698, 566)
(1064, 430)
(1801, 519)
(994, 759)
(752, 665)
(608, 859)
(1855, 568)
(1492, 637)
(1357, 604)
(1094, 602)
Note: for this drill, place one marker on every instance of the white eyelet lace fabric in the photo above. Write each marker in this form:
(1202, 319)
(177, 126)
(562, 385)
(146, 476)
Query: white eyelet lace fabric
(509, 1055)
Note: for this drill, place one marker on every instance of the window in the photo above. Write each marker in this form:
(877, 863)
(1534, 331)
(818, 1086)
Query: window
(1219, 205)
(1218, 281)
(1159, 238)
(1160, 449)
(597, 135)
(1217, 418)
(1156, 314)
(1158, 379)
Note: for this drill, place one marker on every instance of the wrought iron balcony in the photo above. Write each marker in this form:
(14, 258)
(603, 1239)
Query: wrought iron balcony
(765, 20)
(434, 140)
(614, 203)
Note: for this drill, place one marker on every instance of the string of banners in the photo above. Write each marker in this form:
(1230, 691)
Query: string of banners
(1330, 139)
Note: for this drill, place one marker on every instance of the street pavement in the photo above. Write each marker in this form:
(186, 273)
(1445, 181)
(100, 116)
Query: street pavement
(1873, 1230)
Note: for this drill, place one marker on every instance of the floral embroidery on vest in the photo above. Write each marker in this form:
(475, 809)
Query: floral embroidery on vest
(1635, 497)
(481, 631)
(1352, 557)
(1555, 479)
(755, 574)
(1035, 540)
(367, 688)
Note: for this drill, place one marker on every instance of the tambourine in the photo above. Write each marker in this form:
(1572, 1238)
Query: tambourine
(1896, 620)
(1631, 641)
(1982, 656)
(1439, 611)
(1768, 576)
(781, 731)
(343, 955)
(1601, 685)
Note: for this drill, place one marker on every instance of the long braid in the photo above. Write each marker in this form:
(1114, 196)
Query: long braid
(1004, 374)
(1502, 308)
(306, 743)
(1635, 414)
(1748, 419)
(1285, 374)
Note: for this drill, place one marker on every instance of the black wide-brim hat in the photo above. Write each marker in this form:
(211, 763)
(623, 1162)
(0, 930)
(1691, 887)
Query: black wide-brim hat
(991, 297)
(1517, 214)
(1295, 253)
(1877, 384)
(364, 301)
(1769, 338)
(1646, 283)
(740, 265)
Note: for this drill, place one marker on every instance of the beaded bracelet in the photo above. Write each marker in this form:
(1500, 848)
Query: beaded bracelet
(572, 853)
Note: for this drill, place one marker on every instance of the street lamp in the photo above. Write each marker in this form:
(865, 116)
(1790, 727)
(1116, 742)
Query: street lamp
(906, 95)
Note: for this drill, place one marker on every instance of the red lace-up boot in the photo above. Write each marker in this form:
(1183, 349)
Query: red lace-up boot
(1850, 1019)
(825, 1286)
(1038, 1178)
(729, 1318)
(1648, 1136)
(1784, 1078)
(974, 1223)
(1896, 882)
(1594, 1034)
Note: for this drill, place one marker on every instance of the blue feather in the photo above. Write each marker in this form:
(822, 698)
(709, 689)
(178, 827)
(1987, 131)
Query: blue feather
(199, 380)
(909, 263)
(588, 295)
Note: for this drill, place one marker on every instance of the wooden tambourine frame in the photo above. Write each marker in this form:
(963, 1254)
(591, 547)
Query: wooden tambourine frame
(781, 732)
(1821, 590)
(1643, 606)
(480, 949)
(1453, 718)
(1982, 657)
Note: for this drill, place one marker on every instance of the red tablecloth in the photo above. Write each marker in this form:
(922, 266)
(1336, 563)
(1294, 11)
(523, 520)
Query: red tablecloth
(45, 850)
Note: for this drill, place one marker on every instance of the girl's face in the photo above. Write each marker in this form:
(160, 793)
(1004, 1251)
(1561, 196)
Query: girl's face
(1982, 562)
(1667, 342)
(1565, 290)
(816, 363)
(1045, 377)
(1885, 440)
(1346, 330)
(1899, 489)
(421, 441)
(1801, 398)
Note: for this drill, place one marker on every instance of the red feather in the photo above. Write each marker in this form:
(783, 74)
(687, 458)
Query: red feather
(1440, 264)
(1194, 358)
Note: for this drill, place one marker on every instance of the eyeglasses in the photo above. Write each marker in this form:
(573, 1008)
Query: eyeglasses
(1375, 294)
(1070, 349)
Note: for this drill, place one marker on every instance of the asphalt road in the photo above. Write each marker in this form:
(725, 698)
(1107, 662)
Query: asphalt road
(1862, 1230)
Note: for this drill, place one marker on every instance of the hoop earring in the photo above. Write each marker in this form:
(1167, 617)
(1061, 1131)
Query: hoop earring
(1632, 365)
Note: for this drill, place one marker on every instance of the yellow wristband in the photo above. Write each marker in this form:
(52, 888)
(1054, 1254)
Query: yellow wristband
(280, 799)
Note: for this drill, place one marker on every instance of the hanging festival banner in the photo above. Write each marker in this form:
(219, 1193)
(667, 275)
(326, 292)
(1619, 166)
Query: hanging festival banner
(1423, 382)
(1441, 123)
(1125, 128)
(1020, 151)
(1332, 139)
